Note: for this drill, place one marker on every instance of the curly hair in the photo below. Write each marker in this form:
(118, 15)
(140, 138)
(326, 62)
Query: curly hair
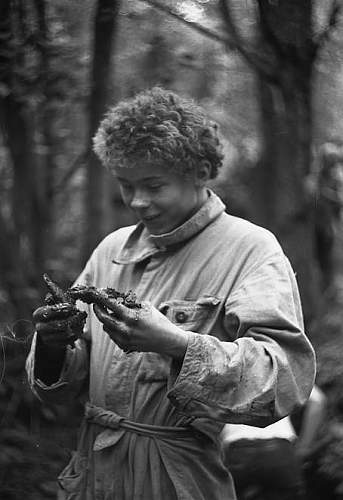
(158, 126)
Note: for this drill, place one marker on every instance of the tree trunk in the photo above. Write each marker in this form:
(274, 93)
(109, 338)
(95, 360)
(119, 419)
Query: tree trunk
(16, 139)
(278, 186)
(22, 238)
(14, 281)
(42, 231)
(97, 177)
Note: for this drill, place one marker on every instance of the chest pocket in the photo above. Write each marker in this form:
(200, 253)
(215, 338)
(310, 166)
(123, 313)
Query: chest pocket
(198, 316)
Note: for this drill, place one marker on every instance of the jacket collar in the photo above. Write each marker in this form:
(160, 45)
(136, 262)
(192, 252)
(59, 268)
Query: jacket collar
(141, 245)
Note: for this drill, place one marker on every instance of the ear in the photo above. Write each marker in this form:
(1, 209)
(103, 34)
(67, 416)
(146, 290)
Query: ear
(203, 173)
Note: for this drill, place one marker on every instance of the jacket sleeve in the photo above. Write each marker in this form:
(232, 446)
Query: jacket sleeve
(269, 367)
(73, 379)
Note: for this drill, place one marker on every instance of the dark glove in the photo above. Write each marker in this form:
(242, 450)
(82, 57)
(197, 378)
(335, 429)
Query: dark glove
(59, 324)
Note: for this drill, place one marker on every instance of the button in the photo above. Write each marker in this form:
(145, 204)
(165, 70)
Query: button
(181, 317)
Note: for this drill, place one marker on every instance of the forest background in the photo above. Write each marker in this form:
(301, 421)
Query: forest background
(268, 71)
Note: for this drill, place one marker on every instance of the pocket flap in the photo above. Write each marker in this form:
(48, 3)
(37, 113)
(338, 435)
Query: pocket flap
(197, 315)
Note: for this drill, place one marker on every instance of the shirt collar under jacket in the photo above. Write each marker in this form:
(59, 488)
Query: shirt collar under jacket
(141, 245)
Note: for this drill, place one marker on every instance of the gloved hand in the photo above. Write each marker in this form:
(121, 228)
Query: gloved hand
(59, 324)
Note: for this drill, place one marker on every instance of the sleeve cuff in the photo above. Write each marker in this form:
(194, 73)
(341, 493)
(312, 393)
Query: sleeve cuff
(36, 382)
(184, 385)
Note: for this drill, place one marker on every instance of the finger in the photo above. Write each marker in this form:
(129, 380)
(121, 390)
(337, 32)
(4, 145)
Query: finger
(128, 315)
(115, 335)
(115, 328)
(110, 321)
(117, 308)
(120, 339)
(92, 295)
(57, 311)
(61, 326)
(74, 323)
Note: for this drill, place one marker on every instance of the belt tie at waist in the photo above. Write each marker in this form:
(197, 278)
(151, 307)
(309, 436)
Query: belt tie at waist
(112, 420)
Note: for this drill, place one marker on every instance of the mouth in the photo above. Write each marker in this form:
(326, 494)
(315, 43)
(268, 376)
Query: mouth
(150, 218)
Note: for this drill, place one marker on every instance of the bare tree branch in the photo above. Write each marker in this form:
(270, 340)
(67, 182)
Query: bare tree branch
(196, 26)
(269, 35)
(283, 52)
(252, 56)
(72, 170)
(323, 37)
(257, 60)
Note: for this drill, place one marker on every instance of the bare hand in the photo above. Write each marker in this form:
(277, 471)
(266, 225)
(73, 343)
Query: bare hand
(142, 329)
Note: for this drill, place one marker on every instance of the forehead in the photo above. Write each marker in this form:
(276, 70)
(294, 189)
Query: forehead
(144, 172)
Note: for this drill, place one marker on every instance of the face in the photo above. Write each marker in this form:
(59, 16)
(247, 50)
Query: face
(161, 199)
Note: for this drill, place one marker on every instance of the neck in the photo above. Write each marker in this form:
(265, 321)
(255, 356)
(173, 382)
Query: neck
(203, 194)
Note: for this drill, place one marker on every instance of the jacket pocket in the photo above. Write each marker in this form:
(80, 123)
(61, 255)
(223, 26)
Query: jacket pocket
(195, 315)
(72, 479)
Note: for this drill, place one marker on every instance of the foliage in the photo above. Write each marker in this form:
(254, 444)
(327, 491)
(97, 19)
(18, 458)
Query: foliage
(327, 338)
(35, 439)
(27, 468)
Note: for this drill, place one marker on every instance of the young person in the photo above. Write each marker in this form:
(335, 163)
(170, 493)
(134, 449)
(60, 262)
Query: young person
(219, 337)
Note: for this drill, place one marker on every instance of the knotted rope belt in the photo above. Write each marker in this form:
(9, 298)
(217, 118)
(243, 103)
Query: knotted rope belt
(112, 420)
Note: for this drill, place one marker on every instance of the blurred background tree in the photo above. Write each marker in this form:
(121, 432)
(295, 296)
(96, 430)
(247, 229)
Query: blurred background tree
(268, 71)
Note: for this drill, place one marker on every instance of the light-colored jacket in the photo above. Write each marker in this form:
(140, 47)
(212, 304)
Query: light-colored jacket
(226, 282)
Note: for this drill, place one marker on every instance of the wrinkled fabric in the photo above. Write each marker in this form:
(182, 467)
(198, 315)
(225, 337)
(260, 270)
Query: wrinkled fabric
(228, 284)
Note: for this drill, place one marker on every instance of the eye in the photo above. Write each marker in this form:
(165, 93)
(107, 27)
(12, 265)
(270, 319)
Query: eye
(155, 187)
(125, 186)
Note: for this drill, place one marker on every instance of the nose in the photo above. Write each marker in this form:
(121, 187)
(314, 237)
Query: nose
(140, 200)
